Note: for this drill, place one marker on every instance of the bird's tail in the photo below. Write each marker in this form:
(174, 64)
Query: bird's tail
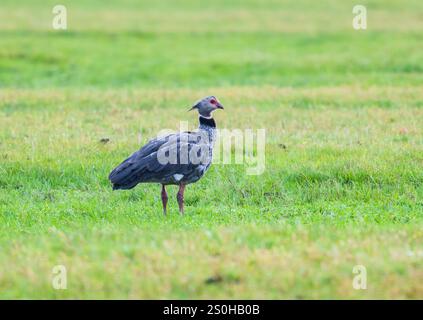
(125, 176)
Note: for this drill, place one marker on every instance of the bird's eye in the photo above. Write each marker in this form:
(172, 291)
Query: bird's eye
(212, 101)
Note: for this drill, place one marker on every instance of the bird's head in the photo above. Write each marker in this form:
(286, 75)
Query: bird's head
(207, 105)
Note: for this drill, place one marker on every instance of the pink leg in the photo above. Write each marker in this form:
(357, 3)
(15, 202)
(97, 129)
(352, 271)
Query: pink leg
(180, 197)
(164, 198)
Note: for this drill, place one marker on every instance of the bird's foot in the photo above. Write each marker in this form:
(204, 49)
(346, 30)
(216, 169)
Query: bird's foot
(164, 199)
(180, 203)
(180, 198)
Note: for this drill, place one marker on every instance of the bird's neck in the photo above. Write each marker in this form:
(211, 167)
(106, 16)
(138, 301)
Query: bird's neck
(207, 122)
(208, 125)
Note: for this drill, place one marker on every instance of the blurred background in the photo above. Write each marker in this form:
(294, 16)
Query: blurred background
(342, 109)
(187, 43)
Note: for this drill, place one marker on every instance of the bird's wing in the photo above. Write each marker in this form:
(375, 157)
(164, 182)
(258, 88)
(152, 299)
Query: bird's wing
(121, 174)
(155, 162)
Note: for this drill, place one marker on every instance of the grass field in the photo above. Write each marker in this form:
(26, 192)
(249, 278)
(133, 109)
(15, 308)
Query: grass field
(343, 113)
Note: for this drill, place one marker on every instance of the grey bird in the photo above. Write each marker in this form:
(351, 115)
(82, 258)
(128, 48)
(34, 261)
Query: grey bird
(176, 159)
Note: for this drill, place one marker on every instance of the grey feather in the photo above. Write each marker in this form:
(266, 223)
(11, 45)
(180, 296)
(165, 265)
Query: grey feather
(144, 165)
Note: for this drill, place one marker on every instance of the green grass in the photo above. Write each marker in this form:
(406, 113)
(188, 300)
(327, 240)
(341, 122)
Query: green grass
(343, 115)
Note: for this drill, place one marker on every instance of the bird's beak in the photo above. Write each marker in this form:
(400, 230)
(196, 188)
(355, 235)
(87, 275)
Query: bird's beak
(219, 106)
(193, 107)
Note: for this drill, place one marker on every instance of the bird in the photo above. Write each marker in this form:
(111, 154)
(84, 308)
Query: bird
(176, 159)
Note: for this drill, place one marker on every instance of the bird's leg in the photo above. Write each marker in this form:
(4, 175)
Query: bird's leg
(164, 198)
(180, 197)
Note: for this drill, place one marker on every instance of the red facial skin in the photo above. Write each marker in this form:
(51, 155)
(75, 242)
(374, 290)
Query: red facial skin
(216, 104)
